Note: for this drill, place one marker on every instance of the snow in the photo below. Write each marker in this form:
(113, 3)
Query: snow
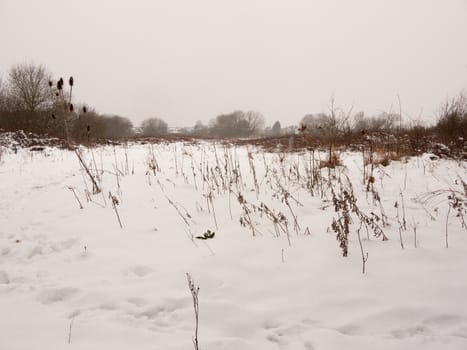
(117, 288)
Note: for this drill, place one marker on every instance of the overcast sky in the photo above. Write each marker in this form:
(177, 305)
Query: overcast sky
(188, 60)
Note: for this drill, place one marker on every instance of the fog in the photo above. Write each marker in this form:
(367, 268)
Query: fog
(185, 61)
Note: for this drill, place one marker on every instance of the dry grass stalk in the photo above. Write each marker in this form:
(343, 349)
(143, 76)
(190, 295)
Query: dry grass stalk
(194, 289)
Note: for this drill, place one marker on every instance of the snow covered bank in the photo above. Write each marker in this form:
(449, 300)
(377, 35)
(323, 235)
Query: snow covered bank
(62, 267)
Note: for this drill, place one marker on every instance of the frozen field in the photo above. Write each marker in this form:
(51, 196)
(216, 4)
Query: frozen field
(272, 277)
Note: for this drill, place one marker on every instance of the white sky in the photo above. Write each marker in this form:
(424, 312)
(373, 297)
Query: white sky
(188, 60)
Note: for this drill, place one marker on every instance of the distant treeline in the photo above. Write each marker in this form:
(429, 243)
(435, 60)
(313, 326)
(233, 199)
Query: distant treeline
(31, 99)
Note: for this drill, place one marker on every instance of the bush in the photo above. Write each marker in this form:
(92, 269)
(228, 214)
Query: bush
(153, 127)
(452, 123)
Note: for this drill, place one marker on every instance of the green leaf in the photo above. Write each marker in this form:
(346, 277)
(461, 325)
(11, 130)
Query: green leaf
(207, 235)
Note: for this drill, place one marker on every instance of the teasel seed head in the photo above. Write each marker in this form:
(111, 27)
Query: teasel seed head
(70, 81)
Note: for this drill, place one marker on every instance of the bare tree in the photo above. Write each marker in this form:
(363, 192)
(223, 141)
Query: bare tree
(316, 123)
(237, 124)
(382, 122)
(28, 87)
(452, 122)
(200, 129)
(255, 121)
(276, 128)
(89, 125)
(329, 127)
(153, 127)
(116, 126)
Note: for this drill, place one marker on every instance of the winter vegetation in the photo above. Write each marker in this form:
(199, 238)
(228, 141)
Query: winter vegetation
(344, 231)
(31, 102)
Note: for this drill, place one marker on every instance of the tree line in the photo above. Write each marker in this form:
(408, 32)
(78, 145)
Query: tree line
(29, 101)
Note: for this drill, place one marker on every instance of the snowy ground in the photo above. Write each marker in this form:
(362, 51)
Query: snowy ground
(63, 267)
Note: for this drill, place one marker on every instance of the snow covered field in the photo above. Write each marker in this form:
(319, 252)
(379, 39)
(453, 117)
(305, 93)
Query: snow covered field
(72, 278)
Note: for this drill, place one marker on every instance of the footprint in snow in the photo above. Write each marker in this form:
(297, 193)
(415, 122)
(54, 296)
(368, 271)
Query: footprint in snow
(270, 324)
(163, 316)
(138, 271)
(139, 302)
(417, 330)
(294, 336)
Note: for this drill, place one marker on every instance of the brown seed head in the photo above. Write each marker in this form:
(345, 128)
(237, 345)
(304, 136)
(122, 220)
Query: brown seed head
(71, 107)
(70, 81)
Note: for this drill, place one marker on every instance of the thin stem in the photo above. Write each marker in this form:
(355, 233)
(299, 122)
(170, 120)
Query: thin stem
(447, 222)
